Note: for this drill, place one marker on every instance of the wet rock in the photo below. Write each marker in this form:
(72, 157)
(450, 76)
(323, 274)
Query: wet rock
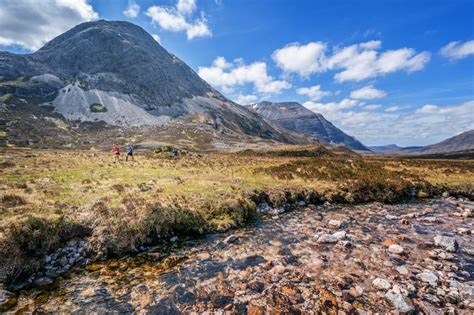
(468, 251)
(381, 284)
(402, 270)
(432, 299)
(336, 224)
(340, 235)
(399, 302)
(163, 306)
(7, 300)
(257, 286)
(327, 239)
(42, 281)
(275, 278)
(264, 208)
(231, 239)
(448, 243)
(429, 277)
(395, 249)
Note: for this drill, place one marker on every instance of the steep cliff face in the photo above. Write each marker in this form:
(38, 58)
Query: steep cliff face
(296, 117)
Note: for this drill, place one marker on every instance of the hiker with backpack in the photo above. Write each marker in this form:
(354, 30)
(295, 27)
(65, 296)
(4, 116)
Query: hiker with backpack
(116, 152)
(130, 150)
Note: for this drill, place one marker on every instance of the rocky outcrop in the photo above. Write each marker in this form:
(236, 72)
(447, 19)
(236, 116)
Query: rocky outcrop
(296, 117)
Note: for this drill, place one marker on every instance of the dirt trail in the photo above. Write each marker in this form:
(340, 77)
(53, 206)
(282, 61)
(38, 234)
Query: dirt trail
(369, 258)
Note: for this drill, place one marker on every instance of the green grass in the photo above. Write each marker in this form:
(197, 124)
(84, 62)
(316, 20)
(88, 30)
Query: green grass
(120, 206)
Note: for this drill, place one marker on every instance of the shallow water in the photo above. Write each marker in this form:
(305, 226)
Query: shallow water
(278, 265)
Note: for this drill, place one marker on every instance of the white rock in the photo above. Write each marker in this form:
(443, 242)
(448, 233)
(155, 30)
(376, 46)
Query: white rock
(402, 270)
(335, 224)
(340, 235)
(327, 238)
(399, 302)
(429, 277)
(396, 249)
(448, 243)
(381, 284)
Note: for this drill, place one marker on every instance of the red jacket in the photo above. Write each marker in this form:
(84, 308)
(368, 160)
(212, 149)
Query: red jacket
(116, 150)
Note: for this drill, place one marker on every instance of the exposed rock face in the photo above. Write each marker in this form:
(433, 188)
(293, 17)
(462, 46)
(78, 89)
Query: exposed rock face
(133, 79)
(296, 117)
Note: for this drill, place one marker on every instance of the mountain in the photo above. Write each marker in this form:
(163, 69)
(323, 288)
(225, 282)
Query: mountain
(386, 149)
(296, 117)
(462, 143)
(114, 74)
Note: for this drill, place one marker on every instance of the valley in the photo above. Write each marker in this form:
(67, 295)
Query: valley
(66, 210)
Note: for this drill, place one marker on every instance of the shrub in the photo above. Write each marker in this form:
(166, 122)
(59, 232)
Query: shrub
(97, 108)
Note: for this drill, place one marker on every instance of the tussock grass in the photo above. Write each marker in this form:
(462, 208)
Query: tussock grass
(50, 196)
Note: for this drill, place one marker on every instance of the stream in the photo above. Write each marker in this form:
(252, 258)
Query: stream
(355, 259)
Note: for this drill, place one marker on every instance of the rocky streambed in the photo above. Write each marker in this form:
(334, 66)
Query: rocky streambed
(413, 257)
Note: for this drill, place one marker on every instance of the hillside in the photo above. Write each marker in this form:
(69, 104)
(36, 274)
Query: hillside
(462, 145)
(114, 74)
(296, 117)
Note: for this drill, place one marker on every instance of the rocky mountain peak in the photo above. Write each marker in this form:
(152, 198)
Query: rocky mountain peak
(296, 117)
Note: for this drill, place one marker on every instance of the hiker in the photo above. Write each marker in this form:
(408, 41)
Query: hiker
(174, 152)
(129, 152)
(116, 152)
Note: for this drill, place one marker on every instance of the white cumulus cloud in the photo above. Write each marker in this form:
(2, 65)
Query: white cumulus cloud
(301, 59)
(458, 50)
(245, 99)
(30, 23)
(367, 93)
(314, 93)
(352, 63)
(412, 126)
(132, 10)
(225, 75)
(177, 19)
(186, 6)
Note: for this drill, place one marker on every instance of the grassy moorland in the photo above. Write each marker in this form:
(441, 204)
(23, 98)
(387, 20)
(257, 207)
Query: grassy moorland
(50, 196)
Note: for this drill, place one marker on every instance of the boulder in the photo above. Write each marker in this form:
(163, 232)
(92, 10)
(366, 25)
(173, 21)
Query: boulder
(381, 284)
(448, 243)
(429, 277)
(399, 302)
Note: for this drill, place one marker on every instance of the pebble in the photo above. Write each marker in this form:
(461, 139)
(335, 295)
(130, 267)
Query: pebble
(335, 224)
(327, 238)
(381, 284)
(395, 249)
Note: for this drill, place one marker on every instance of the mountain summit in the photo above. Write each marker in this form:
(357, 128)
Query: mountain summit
(296, 117)
(115, 72)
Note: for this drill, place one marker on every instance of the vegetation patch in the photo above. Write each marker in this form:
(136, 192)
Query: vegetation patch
(97, 108)
(120, 207)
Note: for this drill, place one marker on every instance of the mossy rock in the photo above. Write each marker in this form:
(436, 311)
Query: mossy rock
(97, 108)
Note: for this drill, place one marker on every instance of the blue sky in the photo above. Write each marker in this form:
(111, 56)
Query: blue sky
(384, 71)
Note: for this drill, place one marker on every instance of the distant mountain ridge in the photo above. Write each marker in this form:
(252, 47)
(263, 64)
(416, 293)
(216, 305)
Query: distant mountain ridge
(296, 117)
(458, 143)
